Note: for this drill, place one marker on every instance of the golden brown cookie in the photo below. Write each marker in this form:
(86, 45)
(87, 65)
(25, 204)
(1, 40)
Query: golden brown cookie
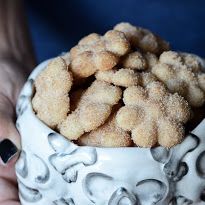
(182, 73)
(153, 115)
(122, 77)
(125, 77)
(134, 60)
(139, 61)
(51, 100)
(107, 135)
(66, 57)
(142, 38)
(95, 52)
(151, 60)
(93, 109)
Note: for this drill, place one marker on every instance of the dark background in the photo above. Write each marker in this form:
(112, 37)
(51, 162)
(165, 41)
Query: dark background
(58, 25)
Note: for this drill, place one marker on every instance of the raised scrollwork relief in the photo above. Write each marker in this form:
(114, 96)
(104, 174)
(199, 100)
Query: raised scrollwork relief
(39, 174)
(99, 187)
(64, 202)
(174, 167)
(68, 159)
(23, 100)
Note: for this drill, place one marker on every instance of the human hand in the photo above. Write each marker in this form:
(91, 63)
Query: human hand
(12, 77)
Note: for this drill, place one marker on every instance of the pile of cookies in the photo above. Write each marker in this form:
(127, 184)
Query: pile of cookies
(125, 88)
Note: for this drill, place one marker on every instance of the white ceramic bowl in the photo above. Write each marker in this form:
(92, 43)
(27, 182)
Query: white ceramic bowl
(53, 171)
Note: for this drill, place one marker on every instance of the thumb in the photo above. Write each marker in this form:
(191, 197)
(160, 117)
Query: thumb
(9, 137)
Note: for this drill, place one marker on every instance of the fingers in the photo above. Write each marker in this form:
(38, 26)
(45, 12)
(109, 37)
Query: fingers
(9, 131)
(7, 118)
(9, 145)
(8, 153)
(10, 202)
(8, 193)
(9, 140)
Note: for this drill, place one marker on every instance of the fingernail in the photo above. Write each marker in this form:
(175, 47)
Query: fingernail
(7, 150)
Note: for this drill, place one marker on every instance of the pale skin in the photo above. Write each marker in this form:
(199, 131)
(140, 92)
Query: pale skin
(16, 61)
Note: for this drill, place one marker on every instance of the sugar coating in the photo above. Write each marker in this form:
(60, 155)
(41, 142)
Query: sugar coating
(93, 109)
(153, 115)
(76, 80)
(182, 73)
(151, 60)
(107, 135)
(125, 77)
(142, 38)
(51, 100)
(201, 79)
(134, 60)
(193, 61)
(95, 52)
(66, 57)
(130, 57)
(121, 77)
(139, 61)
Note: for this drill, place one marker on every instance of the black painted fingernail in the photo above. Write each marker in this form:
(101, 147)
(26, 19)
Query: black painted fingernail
(7, 150)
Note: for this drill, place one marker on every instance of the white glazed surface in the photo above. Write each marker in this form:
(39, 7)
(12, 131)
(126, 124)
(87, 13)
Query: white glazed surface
(53, 171)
